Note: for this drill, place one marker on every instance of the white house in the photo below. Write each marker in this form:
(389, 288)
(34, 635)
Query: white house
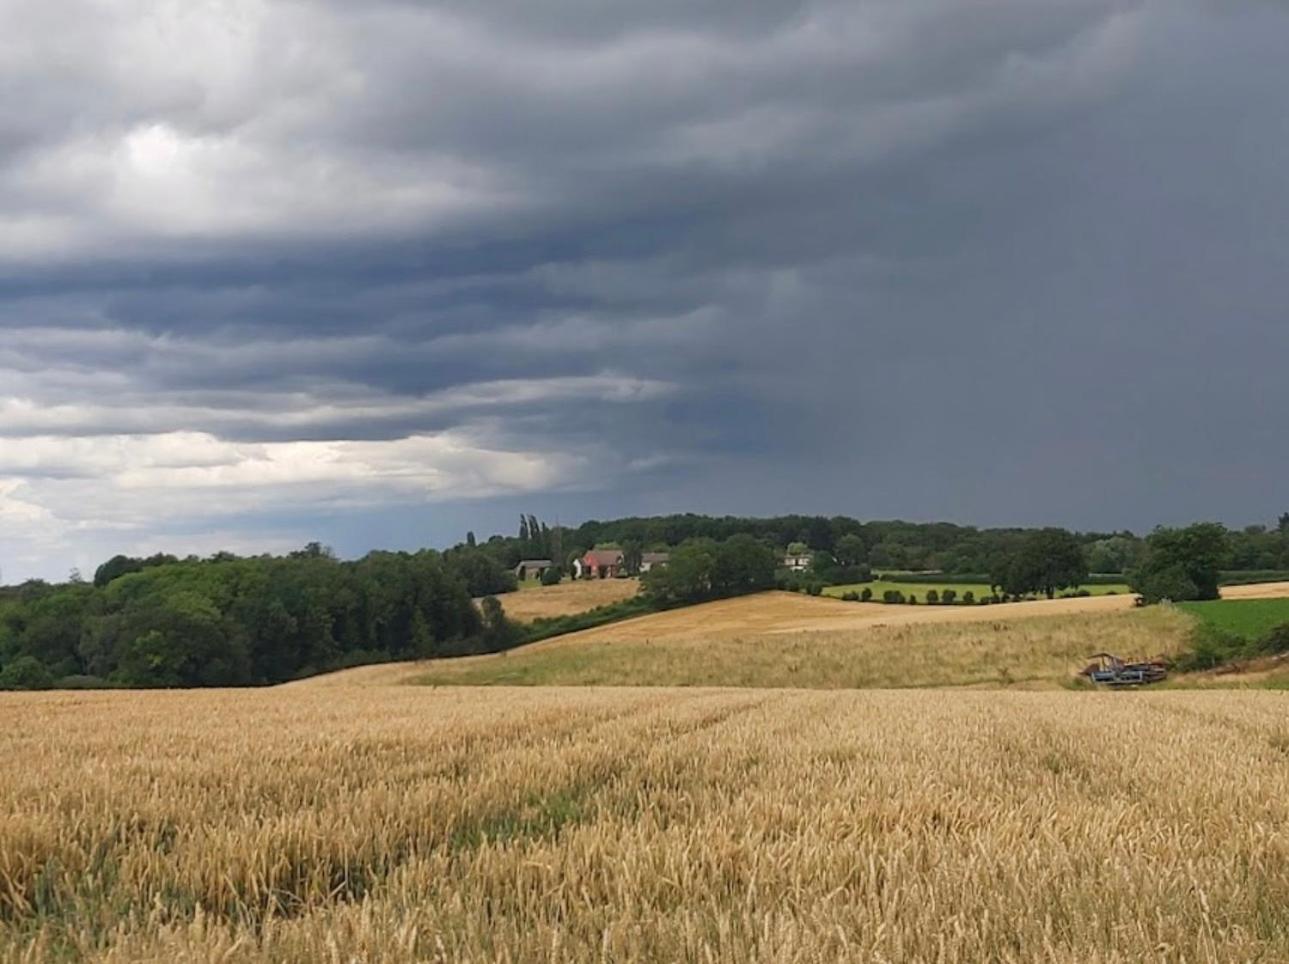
(798, 561)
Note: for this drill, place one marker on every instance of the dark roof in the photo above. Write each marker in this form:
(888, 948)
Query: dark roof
(655, 556)
(534, 564)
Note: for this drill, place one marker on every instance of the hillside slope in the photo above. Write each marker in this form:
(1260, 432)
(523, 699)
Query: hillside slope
(786, 639)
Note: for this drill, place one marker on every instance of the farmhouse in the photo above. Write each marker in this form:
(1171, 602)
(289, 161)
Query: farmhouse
(798, 561)
(650, 559)
(599, 564)
(532, 569)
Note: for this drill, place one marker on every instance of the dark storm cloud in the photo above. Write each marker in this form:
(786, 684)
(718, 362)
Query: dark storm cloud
(1000, 262)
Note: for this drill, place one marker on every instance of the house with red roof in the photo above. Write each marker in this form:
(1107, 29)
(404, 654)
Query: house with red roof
(599, 564)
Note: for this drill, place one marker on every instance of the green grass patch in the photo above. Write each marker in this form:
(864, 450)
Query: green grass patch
(1248, 619)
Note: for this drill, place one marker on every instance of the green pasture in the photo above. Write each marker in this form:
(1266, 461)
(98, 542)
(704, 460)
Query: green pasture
(1249, 619)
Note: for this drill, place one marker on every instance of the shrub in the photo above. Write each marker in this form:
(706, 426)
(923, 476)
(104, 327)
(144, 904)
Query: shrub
(1210, 648)
(968, 597)
(949, 596)
(815, 588)
(1170, 583)
(1277, 641)
(913, 599)
(932, 597)
(552, 576)
(866, 595)
(25, 673)
(498, 632)
(850, 597)
(81, 682)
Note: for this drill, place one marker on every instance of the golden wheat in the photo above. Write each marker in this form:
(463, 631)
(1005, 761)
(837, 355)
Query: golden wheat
(1037, 651)
(399, 824)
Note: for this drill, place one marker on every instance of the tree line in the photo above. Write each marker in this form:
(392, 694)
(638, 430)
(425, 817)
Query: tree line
(226, 621)
(852, 544)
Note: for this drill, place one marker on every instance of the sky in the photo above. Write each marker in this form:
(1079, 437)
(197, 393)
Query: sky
(379, 273)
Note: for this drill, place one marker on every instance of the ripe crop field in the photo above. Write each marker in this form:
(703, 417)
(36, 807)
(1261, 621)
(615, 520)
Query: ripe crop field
(411, 824)
(534, 601)
(1036, 651)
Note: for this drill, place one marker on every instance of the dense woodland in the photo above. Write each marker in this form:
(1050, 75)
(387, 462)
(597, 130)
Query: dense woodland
(225, 620)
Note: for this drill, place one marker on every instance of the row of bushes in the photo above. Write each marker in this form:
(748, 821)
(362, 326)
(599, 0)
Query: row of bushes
(540, 629)
(1250, 577)
(937, 578)
(949, 597)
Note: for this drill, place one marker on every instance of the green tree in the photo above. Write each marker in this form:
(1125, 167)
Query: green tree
(851, 551)
(1197, 552)
(687, 577)
(499, 633)
(632, 557)
(1170, 583)
(741, 564)
(25, 673)
(1115, 554)
(1048, 560)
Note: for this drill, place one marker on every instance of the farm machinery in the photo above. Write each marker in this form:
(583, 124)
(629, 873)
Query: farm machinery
(1106, 669)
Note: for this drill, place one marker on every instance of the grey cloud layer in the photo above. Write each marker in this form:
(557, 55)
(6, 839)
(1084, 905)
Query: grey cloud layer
(1005, 261)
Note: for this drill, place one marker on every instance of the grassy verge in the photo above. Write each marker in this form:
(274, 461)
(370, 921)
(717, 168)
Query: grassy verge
(1231, 630)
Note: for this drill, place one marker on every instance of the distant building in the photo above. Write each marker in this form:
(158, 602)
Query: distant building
(650, 559)
(532, 569)
(798, 561)
(599, 564)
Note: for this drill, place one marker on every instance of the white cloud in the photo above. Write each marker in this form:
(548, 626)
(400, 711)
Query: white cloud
(136, 481)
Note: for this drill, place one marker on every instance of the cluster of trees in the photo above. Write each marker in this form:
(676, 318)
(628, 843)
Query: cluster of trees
(1183, 564)
(227, 621)
(851, 544)
(1044, 561)
(702, 569)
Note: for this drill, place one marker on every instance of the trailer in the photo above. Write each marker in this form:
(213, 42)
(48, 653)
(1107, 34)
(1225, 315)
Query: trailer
(1107, 669)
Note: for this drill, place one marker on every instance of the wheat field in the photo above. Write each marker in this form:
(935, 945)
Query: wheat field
(410, 823)
(1035, 651)
(568, 597)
